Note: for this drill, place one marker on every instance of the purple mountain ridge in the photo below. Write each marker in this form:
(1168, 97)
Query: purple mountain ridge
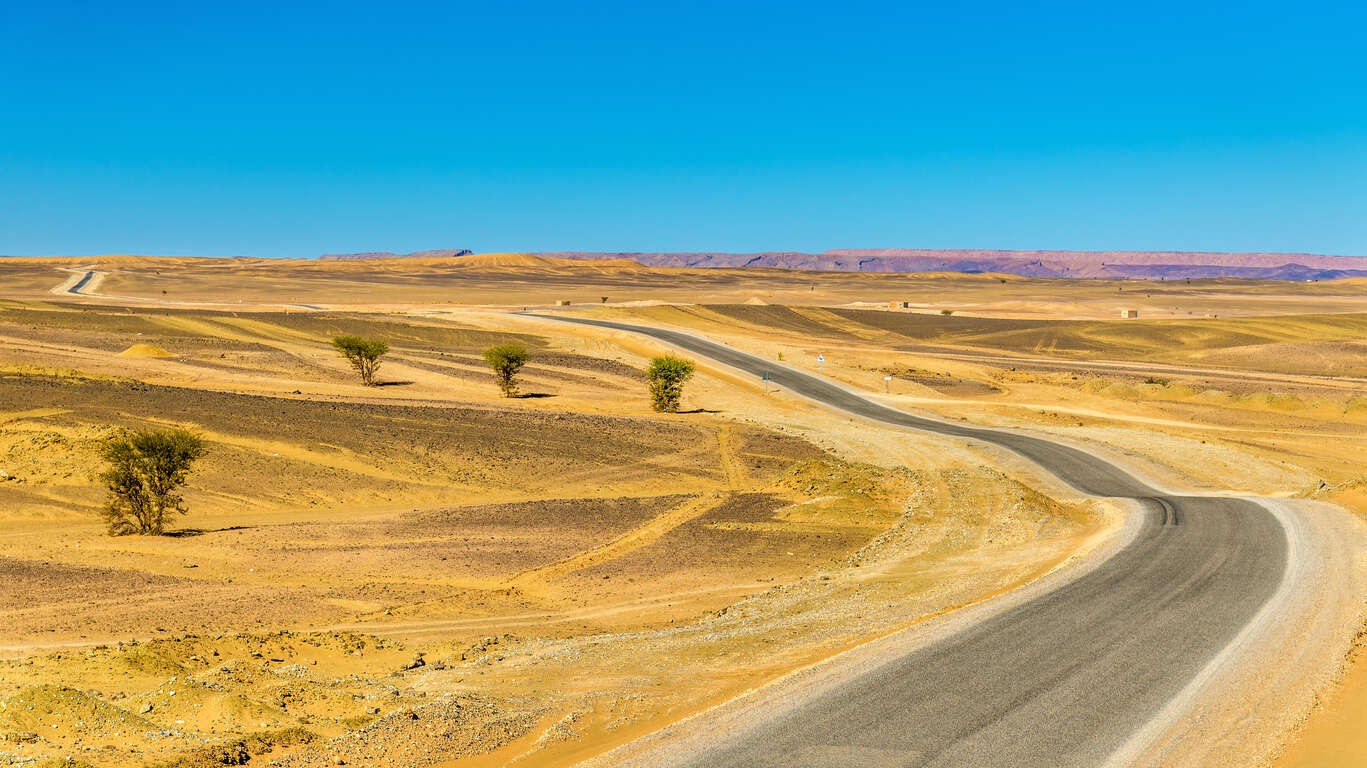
(1153, 265)
(1083, 264)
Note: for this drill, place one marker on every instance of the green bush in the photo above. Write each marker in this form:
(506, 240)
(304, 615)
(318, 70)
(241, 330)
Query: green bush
(667, 376)
(363, 354)
(506, 360)
(146, 470)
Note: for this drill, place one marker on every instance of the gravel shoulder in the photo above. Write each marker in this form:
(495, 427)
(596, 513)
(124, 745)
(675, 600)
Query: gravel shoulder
(1249, 702)
(687, 738)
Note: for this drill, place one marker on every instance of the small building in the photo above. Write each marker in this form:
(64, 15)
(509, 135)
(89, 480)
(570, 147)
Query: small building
(1129, 314)
(562, 303)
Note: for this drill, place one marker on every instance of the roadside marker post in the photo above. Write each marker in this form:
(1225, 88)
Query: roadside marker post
(887, 384)
(820, 365)
(766, 382)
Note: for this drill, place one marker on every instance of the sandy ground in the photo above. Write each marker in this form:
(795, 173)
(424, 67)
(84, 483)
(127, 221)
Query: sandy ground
(738, 714)
(608, 571)
(1250, 702)
(597, 522)
(521, 279)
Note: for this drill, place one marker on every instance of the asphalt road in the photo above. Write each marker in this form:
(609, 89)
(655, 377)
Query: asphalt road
(1062, 680)
(76, 289)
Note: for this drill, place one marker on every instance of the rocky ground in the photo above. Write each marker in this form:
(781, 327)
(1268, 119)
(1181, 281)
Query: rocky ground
(331, 698)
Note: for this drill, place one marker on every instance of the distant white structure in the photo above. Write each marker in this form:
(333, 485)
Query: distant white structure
(563, 303)
(1129, 314)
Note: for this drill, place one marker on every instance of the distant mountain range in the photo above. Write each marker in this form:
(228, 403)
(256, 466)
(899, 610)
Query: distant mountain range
(1093, 264)
(1081, 264)
(388, 255)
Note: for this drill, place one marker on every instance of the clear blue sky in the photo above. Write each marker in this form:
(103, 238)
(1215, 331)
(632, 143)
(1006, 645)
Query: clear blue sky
(267, 130)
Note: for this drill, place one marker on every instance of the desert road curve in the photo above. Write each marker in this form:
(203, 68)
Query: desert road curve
(86, 278)
(1065, 679)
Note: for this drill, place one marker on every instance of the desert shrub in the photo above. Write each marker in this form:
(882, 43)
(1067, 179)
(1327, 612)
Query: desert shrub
(667, 376)
(506, 360)
(946, 312)
(146, 470)
(363, 354)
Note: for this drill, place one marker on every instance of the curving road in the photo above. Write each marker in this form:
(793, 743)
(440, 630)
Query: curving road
(80, 284)
(1062, 680)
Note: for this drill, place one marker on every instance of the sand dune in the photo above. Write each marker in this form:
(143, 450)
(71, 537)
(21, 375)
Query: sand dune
(145, 350)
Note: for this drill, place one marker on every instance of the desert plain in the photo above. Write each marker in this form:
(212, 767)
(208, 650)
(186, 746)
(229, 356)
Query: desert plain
(428, 573)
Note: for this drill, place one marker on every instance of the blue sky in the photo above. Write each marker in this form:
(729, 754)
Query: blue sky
(296, 129)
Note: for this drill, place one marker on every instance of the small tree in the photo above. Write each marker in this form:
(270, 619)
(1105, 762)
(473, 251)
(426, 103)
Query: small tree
(146, 470)
(604, 299)
(363, 354)
(506, 360)
(667, 376)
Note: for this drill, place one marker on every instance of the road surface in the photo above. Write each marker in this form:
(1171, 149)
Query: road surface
(80, 284)
(1062, 680)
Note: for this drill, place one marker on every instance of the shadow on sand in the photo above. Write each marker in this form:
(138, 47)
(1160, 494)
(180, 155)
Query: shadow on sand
(186, 532)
